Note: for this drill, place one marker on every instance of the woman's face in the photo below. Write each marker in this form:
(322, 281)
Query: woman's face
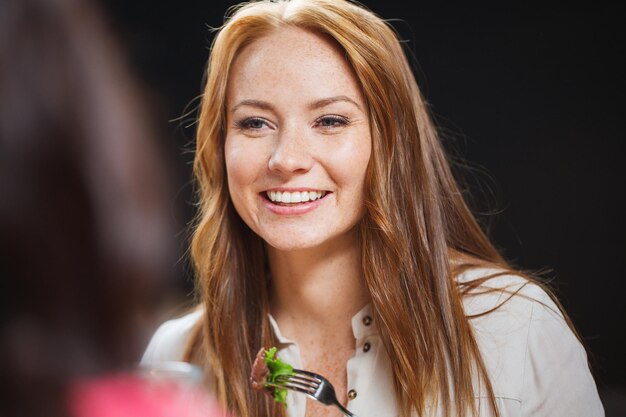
(297, 140)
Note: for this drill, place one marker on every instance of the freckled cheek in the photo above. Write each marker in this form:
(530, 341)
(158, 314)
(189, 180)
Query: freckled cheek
(347, 166)
(242, 168)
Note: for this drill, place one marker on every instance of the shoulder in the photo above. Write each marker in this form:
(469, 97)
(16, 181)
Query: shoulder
(507, 310)
(530, 351)
(496, 289)
(170, 339)
(502, 309)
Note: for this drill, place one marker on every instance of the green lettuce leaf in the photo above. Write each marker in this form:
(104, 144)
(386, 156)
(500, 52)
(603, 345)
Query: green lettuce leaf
(277, 367)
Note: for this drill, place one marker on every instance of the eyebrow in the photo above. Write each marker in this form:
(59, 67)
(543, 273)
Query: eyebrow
(253, 103)
(330, 100)
(312, 105)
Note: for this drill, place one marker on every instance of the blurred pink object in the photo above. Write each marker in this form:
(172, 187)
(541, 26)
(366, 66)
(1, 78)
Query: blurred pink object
(127, 395)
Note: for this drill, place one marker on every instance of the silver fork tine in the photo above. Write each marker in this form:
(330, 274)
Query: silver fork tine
(286, 381)
(304, 385)
(299, 379)
(312, 385)
(292, 388)
(309, 374)
(296, 378)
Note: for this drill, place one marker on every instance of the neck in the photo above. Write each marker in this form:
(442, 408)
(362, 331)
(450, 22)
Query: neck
(319, 288)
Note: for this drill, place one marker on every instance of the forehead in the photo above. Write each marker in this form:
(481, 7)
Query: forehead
(290, 60)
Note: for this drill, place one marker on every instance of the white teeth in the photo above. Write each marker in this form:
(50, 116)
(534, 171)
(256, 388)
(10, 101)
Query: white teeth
(294, 197)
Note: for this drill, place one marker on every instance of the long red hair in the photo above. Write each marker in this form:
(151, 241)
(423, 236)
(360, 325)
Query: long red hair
(416, 236)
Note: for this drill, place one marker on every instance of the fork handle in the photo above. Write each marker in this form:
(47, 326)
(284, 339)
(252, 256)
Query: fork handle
(344, 409)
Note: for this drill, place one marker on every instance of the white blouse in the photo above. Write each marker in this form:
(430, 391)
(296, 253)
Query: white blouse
(537, 366)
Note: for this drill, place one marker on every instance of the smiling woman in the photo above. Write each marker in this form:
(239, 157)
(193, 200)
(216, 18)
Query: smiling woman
(331, 227)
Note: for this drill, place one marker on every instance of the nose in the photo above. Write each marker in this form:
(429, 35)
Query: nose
(291, 153)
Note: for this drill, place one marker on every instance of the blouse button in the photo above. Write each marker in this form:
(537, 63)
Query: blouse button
(366, 347)
(352, 394)
(367, 320)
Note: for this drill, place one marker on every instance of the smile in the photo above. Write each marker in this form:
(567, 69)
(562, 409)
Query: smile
(294, 197)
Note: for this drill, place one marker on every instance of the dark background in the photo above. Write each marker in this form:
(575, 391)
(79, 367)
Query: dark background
(532, 99)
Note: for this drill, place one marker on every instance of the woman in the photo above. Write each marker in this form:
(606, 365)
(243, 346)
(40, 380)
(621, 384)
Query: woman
(331, 227)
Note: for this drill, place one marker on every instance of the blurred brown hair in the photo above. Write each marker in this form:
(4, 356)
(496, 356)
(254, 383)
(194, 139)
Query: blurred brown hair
(83, 223)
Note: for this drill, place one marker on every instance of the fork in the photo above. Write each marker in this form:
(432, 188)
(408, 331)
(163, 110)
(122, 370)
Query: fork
(312, 385)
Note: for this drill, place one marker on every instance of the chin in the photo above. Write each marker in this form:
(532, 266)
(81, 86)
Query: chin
(290, 244)
(293, 241)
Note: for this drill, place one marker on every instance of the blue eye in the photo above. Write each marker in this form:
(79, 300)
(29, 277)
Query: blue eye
(252, 123)
(332, 121)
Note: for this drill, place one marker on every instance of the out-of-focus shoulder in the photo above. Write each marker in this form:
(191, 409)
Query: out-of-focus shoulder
(170, 339)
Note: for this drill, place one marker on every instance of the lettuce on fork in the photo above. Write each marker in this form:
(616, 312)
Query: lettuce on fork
(265, 371)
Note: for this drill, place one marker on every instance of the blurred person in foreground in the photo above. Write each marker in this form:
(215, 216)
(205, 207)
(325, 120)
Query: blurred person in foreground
(84, 223)
(331, 227)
